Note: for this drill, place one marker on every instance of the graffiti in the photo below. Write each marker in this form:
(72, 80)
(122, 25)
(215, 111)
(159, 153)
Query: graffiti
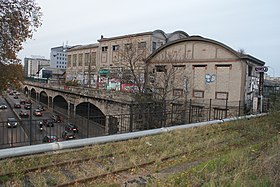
(210, 78)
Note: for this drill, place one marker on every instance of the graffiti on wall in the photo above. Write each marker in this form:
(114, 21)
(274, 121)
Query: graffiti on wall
(210, 78)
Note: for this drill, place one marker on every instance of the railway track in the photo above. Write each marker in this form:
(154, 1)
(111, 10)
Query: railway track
(128, 163)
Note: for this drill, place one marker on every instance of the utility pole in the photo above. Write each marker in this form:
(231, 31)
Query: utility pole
(89, 68)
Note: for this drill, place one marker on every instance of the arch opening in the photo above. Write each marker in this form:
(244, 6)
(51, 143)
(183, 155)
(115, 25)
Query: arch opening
(60, 105)
(44, 98)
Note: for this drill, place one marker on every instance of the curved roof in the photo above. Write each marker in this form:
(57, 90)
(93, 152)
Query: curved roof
(199, 38)
(178, 32)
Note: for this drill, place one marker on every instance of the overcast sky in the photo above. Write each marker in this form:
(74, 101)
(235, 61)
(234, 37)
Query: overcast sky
(252, 25)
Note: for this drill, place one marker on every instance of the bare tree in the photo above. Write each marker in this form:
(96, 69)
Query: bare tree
(18, 20)
(132, 56)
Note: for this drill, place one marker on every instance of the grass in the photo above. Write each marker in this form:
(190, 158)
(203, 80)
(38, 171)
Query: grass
(238, 153)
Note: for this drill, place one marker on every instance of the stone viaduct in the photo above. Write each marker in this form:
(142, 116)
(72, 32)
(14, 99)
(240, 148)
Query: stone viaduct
(72, 101)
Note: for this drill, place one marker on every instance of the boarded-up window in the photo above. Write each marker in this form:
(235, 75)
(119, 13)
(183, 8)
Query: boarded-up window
(222, 77)
(69, 64)
(80, 59)
(198, 77)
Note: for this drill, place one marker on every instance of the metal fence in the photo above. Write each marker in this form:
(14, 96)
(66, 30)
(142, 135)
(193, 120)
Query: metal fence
(142, 116)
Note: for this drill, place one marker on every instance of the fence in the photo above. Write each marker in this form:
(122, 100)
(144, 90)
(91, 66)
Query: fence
(142, 116)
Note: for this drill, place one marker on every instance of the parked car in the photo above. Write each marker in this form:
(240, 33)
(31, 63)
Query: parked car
(3, 106)
(56, 118)
(17, 105)
(71, 127)
(48, 122)
(15, 97)
(50, 139)
(12, 122)
(27, 106)
(24, 114)
(68, 135)
(11, 93)
(37, 112)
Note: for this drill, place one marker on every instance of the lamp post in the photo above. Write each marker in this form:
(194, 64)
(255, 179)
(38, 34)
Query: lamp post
(30, 122)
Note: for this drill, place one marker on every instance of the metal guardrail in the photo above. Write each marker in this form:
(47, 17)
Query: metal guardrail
(34, 149)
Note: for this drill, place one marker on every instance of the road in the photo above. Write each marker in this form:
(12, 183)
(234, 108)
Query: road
(27, 132)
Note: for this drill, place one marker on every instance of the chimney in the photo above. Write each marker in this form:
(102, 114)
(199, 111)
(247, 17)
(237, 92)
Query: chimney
(101, 36)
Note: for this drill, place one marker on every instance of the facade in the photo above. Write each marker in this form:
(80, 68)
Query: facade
(201, 69)
(112, 57)
(82, 64)
(58, 57)
(33, 65)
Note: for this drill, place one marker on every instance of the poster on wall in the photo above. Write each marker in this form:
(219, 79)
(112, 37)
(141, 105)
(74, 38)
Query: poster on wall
(132, 88)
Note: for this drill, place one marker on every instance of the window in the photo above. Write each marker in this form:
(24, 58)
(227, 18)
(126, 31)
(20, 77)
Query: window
(69, 60)
(104, 49)
(93, 58)
(115, 47)
(74, 60)
(86, 59)
(198, 94)
(250, 69)
(160, 69)
(80, 59)
(223, 65)
(222, 95)
(154, 46)
(128, 46)
(177, 92)
(142, 45)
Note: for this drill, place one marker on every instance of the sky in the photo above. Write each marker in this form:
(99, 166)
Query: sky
(251, 25)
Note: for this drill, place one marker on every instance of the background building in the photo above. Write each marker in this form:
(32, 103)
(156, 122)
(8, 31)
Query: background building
(33, 65)
(58, 57)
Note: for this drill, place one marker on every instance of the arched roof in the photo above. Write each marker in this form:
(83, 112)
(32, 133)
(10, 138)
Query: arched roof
(178, 32)
(199, 38)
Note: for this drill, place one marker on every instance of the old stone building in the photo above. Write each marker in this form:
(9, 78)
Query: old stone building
(110, 58)
(82, 64)
(205, 72)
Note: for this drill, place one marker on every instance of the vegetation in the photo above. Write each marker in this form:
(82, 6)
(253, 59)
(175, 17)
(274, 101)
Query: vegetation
(11, 75)
(18, 20)
(239, 153)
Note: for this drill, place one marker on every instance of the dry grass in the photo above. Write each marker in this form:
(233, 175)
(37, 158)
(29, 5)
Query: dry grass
(239, 153)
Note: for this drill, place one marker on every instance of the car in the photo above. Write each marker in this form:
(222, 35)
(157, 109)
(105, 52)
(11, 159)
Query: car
(27, 106)
(3, 106)
(15, 97)
(28, 101)
(22, 102)
(17, 105)
(11, 93)
(24, 114)
(68, 135)
(48, 122)
(56, 118)
(50, 139)
(12, 122)
(71, 127)
(41, 108)
(37, 112)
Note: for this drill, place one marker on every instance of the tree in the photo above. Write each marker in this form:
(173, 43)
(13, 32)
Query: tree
(11, 75)
(18, 20)
(133, 55)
